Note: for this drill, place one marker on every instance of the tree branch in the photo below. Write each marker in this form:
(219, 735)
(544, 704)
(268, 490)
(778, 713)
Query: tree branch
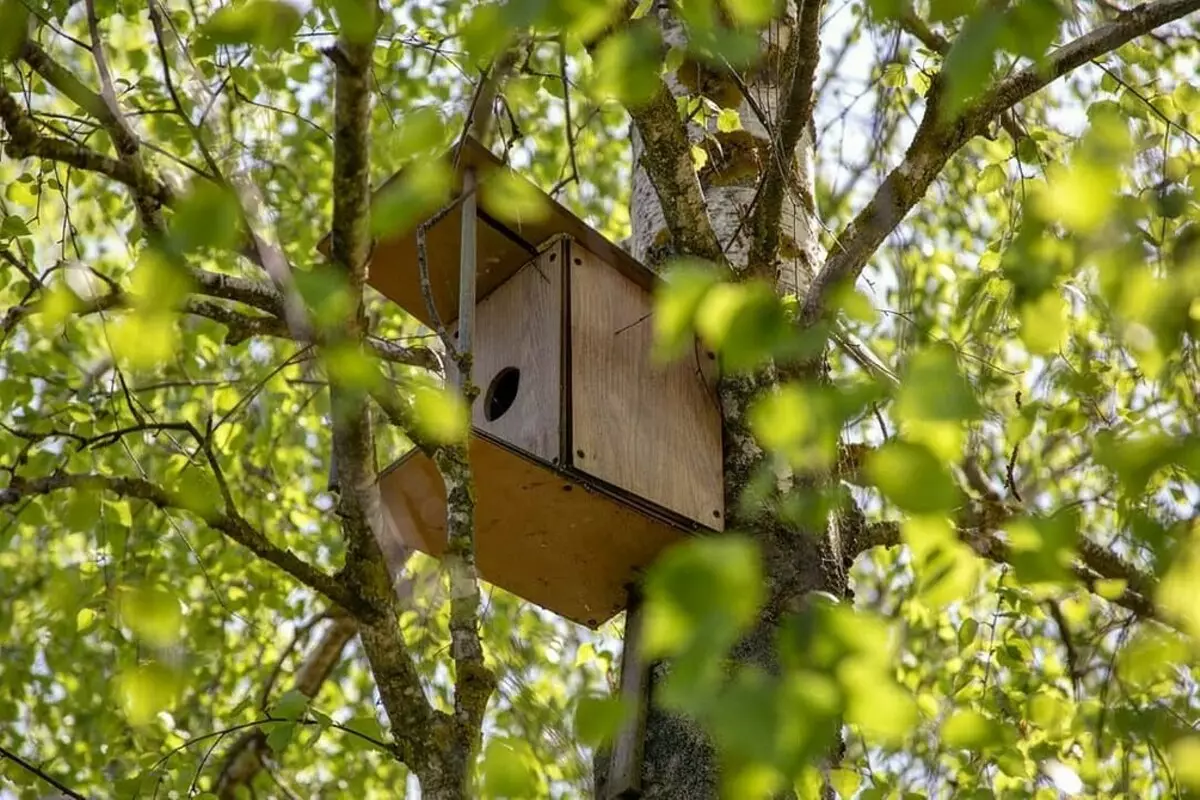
(26, 142)
(667, 159)
(245, 758)
(360, 506)
(67, 791)
(1093, 562)
(937, 140)
(228, 522)
(800, 66)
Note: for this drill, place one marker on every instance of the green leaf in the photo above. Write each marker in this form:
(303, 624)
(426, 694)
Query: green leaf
(266, 23)
(418, 192)
(13, 226)
(934, 390)
(743, 322)
(702, 592)
(441, 415)
(992, 179)
(967, 729)
(728, 120)
(290, 705)
(280, 736)
(146, 690)
(597, 720)
(511, 198)
(14, 27)
(368, 725)
(509, 769)
(207, 216)
(1184, 755)
(151, 613)
(752, 13)
(627, 65)
(677, 299)
(84, 619)
(913, 478)
(1044, 323)
(969, 62)
(1043, 548)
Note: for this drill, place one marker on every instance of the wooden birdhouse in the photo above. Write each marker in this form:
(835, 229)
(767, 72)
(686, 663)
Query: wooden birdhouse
(590, 456)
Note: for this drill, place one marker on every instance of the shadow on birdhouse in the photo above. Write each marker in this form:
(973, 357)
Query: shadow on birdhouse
(590, 456)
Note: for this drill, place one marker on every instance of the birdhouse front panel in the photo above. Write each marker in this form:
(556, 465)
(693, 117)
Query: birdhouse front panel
(517, 359)
(649, 427)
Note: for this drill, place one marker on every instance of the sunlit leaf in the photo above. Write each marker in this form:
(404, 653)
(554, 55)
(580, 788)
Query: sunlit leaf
(509, 769)
(510, 198)
(912, 478)
(627, 65)
(441, 415)
(266, 23)
(146, 690)
(597, 719)
(151, 613)
(416, 194)
(706, 590)
(677, 299)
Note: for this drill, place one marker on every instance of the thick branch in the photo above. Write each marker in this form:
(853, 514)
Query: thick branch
(359, 506)
(800, 65)
(228, 522)
(1093, 562)
(938, 139)
(667, 159)
(26, 142)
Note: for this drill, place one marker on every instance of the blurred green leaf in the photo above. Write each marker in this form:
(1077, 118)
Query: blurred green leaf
(441, 415)
(151, 613)
(913, 478)
(290, 705)
(266, 23)
(509, 770)
(678, 297)
(598, 719)
(627, 65)
(422, 189)
(968, 729)
(207, 216)
(280, 736)
(703, 592)
(511, 198)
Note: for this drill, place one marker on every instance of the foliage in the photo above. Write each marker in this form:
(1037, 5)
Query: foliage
(1017, 489)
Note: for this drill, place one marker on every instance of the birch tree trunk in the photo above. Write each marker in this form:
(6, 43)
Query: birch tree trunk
(678, 761)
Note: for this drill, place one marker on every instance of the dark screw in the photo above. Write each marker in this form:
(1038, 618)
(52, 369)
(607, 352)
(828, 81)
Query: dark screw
(579, 453)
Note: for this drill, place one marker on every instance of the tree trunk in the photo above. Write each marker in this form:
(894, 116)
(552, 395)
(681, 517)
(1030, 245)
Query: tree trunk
(678, 760)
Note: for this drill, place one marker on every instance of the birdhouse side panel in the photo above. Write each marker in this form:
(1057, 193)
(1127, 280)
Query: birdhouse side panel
(518, 355)
(538, 534)
(652, 429)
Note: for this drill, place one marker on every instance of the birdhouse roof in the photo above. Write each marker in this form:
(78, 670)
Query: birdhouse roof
(503, 245)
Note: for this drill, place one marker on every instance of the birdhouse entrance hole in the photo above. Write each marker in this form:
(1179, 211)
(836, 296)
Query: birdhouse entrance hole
(501, 393)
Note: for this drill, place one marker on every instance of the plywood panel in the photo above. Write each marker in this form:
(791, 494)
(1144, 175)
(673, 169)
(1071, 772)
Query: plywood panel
(538, 535)
(396, 274)
(504, 245)
(649, 428)
(519, 326)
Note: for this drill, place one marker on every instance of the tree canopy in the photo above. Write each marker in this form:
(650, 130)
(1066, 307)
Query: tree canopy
(947, 255)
